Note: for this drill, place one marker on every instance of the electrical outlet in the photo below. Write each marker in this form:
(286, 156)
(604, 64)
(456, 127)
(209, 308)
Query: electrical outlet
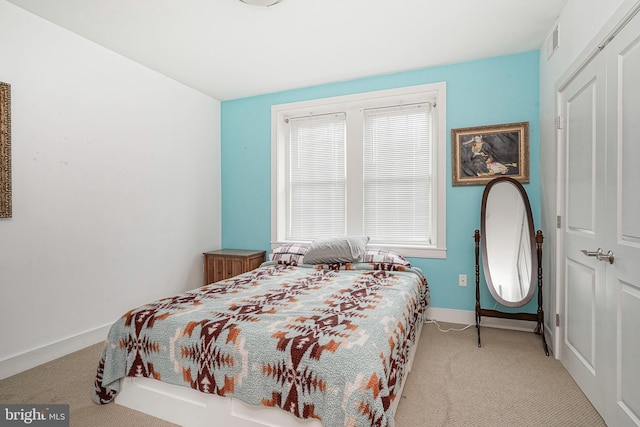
(462, 280)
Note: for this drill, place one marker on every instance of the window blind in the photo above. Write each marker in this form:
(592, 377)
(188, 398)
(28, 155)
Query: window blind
(397, 174)
(317, 176)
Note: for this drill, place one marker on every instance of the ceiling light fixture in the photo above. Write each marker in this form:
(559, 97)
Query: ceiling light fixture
(261, 3)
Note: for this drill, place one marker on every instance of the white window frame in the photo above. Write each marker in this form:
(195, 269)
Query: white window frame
(352, 104)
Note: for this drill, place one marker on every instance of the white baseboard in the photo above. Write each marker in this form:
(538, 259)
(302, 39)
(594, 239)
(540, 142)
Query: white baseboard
(32, 358)
(465, 317)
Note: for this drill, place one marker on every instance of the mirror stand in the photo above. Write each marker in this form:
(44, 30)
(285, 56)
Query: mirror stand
(537, 317)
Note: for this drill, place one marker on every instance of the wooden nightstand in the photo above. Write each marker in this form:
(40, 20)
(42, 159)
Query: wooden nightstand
(226, 263)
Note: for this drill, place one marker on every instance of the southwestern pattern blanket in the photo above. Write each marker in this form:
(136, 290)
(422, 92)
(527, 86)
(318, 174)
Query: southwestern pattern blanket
(323, 342)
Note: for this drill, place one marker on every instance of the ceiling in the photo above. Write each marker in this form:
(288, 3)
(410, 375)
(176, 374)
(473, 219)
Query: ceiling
(228, 49)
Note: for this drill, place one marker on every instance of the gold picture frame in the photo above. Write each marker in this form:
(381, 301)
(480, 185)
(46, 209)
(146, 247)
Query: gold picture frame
(5, 150)
(482, 153)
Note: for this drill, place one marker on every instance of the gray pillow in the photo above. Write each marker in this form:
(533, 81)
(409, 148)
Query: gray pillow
(336, 250)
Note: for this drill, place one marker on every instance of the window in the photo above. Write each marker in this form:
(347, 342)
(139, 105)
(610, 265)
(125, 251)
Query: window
(317, 178)
(368, 164)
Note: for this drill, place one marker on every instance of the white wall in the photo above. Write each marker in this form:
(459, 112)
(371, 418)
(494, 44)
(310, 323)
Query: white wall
(581, 25)
(116, 189)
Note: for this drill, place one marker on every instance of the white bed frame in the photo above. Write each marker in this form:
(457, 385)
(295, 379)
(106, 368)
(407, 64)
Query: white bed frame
(191, 408)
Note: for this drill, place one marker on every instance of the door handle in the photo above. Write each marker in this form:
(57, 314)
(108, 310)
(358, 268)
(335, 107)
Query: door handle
(600, 255)
(592, 253)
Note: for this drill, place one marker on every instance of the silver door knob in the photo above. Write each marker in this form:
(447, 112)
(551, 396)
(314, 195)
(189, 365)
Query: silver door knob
(600, 255)
(592, 253)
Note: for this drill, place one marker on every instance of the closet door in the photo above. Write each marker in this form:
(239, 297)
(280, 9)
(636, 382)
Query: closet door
(582, 328)
(623, 227)
(600, 332)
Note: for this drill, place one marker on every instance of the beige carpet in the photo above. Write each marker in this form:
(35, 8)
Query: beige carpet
(507, 382)
(70, 380)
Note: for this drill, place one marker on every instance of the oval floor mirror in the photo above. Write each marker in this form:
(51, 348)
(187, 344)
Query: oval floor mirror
(511, 253)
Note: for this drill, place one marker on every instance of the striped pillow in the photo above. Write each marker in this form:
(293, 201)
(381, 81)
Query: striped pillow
(289, 254)
(388, 260)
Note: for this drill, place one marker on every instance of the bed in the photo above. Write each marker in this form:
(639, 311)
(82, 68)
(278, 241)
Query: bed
(286, 344)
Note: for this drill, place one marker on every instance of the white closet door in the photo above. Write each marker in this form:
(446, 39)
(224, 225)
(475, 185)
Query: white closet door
(623, 227)
(601, 300)
(583, 327)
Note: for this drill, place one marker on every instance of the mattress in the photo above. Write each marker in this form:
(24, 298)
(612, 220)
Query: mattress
(324, 342)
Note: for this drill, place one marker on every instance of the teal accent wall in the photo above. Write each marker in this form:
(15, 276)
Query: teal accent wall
(491, 91)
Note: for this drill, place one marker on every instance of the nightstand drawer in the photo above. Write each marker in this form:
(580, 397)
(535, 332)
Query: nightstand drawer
(226, 263)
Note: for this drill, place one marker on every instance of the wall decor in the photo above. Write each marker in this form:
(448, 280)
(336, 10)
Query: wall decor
(482, 153)
(5, 150)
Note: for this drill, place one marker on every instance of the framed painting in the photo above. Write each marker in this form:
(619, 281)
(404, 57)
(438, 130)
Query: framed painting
(482, 153)
(5, 150)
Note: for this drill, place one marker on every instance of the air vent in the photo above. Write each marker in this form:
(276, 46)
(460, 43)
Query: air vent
(552, 42)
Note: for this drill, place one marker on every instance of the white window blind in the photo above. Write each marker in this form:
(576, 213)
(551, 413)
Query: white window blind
(369, 164)
(397, 174)
(317, 176)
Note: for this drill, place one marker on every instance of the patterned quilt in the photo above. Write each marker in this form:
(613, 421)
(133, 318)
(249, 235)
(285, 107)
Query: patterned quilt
(323, 342)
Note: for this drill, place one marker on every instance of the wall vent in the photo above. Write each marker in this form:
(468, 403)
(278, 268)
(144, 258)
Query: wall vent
(552, 42)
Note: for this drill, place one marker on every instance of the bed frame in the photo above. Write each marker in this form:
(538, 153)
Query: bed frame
(191, 408)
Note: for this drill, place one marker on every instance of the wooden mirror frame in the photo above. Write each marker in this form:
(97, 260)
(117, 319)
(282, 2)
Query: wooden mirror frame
(488, 276)
(537, 317)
